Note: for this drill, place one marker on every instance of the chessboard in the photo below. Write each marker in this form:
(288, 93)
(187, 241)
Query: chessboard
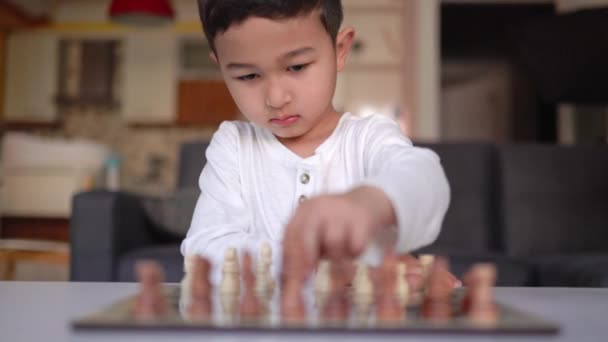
(120, 316)
(240, 303)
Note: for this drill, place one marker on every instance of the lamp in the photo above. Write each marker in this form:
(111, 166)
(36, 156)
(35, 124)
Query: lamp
(141, 12)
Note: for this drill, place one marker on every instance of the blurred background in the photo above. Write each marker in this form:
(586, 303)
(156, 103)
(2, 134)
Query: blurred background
(102, 95)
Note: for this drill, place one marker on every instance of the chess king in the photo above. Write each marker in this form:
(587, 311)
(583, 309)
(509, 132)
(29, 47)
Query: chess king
(301, 175)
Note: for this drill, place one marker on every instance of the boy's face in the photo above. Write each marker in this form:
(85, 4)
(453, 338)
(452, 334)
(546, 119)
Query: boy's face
(282, 73)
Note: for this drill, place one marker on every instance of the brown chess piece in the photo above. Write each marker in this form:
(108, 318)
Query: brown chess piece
(336, 305)
(482, 308)
(150, 302)
(437, 305)
(293, 277)
(200, 306)
(250, 304)
(388, 304)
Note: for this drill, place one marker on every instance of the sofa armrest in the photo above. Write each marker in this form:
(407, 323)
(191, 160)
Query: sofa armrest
(104, 226)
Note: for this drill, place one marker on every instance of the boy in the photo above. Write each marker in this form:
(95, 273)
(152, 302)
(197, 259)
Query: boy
(301, 176)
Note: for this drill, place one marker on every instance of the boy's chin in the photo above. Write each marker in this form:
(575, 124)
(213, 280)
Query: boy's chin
(287, 133)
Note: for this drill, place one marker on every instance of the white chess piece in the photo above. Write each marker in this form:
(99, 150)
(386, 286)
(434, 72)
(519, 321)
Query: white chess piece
(266, 259)
(403, 288)
(231, 282)
(186, 283)
(363, 289)
(322, 283)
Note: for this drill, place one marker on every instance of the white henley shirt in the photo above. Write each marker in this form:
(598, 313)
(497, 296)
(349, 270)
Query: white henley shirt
(252, 184)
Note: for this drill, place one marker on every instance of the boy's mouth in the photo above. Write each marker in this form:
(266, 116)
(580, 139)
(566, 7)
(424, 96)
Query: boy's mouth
(285, 120)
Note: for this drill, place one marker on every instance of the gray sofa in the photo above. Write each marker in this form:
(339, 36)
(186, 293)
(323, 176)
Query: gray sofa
(539, 212)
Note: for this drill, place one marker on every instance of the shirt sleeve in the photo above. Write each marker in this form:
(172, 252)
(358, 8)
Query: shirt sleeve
(221, 218)
(412, 178)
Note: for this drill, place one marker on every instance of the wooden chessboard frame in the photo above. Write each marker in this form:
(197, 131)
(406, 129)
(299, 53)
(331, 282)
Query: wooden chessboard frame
(119, 316)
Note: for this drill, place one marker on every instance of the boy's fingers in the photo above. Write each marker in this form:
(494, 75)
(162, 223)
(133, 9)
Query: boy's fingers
(334, 241)
(359, 236)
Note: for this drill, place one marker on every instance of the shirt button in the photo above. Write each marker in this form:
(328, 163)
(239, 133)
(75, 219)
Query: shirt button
(304, 178)
(302, 198)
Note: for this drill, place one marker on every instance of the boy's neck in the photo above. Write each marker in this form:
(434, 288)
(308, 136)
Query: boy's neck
(306, 144)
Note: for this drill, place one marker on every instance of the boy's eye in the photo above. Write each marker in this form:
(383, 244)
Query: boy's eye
(298, 67)
(247, 77)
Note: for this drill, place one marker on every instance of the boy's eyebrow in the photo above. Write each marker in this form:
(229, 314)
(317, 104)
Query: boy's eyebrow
(298, 52)
(289, 54)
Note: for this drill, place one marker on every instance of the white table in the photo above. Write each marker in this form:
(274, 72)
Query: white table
(42, 311)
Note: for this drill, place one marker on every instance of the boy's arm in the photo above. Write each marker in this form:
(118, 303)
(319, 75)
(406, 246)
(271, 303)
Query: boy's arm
(220, 218)
(404, 186)
(412, 180)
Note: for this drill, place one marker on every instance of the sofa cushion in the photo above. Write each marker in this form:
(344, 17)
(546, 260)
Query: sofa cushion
(172, 214)
(471, 221)
(168, 256)
(587, 270)
(192, 159)
(554, 199)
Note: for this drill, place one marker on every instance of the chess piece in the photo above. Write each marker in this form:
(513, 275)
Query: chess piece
(200, 305)
(267, 260)
(426, 260)
(336, 306)
(436, 305)
(186, 283)
(150, 303)
(388, 306)
(293, 277)
(322, 283)
(402, 285)
(482, 308)
(250, 303)
(230, 284)
(265, 284)
(363, 289)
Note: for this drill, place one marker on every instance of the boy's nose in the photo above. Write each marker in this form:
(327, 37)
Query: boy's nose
(277, 94)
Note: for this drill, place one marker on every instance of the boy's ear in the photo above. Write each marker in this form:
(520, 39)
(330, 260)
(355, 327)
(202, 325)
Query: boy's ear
(344, 41)
(213, 57)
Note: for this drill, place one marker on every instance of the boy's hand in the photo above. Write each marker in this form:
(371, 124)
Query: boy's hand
(336, 226)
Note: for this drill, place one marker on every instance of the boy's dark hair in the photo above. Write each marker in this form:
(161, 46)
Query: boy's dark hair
(218, 15)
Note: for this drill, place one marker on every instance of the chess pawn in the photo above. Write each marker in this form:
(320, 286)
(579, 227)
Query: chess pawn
(230, 284)
(200, 304)
(265, 284)
(363, 289)
(472, 279)
(250, 303)
(388, 307)
(293, 308)
(336, 307)
(150, 302)
(437, 301)
(186, 283)
(322, 283)
(293, 277)
(402, 285)
(267, 260)
(426, 260)
(482, 308)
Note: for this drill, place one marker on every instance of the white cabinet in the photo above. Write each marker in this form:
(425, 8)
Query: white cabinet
(31, 77)
(150, 77)
(378, 38)
(371, 81)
